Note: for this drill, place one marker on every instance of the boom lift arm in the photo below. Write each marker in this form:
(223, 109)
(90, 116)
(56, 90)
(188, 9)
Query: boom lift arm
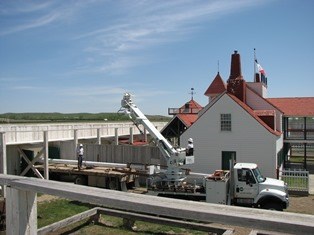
(175, 158)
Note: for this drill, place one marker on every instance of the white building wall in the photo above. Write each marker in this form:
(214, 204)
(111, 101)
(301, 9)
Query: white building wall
(249, 139)
(279, 146)
(259, 88)
(258, 103)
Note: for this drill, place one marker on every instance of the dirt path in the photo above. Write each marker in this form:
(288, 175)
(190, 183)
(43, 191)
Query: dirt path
(304, 205)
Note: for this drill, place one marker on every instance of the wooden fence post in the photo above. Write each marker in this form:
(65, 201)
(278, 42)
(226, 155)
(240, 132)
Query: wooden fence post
(21, 212)
(46, 156)
(98, 136)
(131, 140)
(75, 143)
(116, 136)
(3, 159)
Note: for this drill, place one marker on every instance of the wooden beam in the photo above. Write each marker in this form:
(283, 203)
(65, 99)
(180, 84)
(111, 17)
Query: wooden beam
(131, 139)
(134, 217)
(164, 221)
(116, 136)
(46, 156)
(171, 208)
(30, 164)
(36, 158)
(75, 143)
(98, 136)
(68, 221)
(21, 212)
(3, 159)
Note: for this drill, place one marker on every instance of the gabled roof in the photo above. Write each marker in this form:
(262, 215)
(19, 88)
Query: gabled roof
(192, 105)
(245, 107)
(295, 106)
(216, 87)
(253, 114)
(187, 119)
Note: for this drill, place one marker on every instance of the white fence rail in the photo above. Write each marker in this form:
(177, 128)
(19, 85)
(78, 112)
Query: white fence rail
(21, 207)
(296, 179)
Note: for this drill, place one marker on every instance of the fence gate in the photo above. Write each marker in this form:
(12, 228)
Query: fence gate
(296, 179)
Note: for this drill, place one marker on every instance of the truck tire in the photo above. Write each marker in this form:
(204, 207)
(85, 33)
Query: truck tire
(272, 206)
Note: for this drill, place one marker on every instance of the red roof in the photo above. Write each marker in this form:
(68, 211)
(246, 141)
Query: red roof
(217, 86)
(295, 106)
(253, 114)
(192, 104)
(187, 119)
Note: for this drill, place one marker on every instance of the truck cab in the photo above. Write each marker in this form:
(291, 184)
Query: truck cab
(252, 189)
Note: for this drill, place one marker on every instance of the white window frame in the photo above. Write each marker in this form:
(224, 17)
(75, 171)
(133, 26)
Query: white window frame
(225, 122)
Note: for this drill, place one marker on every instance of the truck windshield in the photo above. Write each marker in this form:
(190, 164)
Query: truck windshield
(258, 175)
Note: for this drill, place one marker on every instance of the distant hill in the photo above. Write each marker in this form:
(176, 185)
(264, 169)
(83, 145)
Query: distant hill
(70, 117)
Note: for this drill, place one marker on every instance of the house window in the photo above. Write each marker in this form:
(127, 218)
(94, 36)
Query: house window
(225, 122)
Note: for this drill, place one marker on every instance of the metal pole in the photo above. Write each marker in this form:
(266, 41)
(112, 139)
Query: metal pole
(254, 65)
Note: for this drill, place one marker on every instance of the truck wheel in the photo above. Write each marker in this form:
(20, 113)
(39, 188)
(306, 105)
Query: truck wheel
(272, 206)
(80, 180)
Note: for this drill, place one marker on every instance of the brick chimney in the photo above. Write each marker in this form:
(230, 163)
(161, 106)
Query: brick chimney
(236, 85)
(235, 70)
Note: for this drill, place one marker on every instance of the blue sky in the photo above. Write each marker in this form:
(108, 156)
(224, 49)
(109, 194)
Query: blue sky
(81, 56)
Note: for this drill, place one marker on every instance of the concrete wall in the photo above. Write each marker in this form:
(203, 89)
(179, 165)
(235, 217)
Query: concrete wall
(33, 133)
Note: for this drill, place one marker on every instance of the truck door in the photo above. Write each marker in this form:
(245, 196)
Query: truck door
(246, 186)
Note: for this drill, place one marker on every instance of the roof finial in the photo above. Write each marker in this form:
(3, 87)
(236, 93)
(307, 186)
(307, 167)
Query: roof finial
(218, 66)
(192, 93)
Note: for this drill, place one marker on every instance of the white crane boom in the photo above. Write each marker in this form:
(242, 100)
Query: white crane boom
(176, 158)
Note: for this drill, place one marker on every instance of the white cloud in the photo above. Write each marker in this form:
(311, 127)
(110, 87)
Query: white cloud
(25, 88)
(47, 19)
(118, 43)
(91, 91)
(145, 24)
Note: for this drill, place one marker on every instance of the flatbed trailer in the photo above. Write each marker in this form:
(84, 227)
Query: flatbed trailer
(96, 176)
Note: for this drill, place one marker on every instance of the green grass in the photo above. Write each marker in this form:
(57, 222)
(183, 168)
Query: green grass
(295, 183)
(71, 117)
(56, 210)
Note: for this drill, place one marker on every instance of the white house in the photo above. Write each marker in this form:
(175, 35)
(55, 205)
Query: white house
(238, 121)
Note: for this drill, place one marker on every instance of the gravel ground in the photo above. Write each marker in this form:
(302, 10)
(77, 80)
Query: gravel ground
(304, 205)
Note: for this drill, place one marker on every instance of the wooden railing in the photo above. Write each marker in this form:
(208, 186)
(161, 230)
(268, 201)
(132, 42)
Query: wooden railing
(21, 207)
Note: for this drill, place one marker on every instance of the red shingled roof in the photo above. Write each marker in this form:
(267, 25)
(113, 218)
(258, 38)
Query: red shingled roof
(192, 105)
(295, 106)
(217, 86)
(187, 119)
(253, 114)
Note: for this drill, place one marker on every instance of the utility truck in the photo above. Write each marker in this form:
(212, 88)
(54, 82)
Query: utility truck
(243, 185)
